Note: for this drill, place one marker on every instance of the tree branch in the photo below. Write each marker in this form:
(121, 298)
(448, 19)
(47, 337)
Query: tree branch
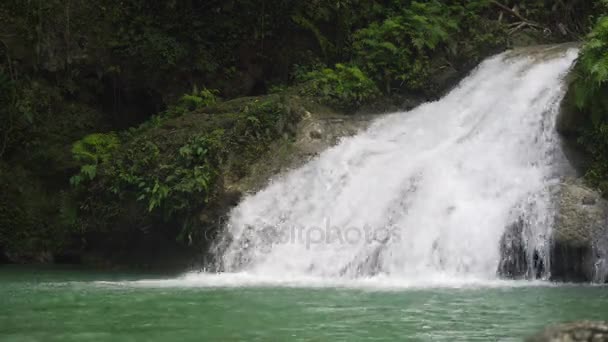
(517, 15)
(508, 10)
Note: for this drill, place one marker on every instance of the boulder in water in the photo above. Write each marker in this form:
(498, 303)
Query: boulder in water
(577, 331)
(580, 236)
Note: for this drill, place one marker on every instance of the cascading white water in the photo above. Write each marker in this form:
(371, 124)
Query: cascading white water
(425, 193)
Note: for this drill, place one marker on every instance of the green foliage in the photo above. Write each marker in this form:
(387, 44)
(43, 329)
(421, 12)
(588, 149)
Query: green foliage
(174, 184)
(400, 52)
(254, 128)
(68, 69)
(300, 72)
(95, 148)
(345, 87)
(199, 99)
(397, 49)
(185, 105)
(159, 175)
(326, 46)
(90, 152)
(591, 97)
(591, 85)
(277, 88)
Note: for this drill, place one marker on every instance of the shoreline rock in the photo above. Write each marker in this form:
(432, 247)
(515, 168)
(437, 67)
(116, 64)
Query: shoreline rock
(576, 331)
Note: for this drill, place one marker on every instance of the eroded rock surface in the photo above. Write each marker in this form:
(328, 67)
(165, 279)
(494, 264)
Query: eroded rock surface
(577, 331)
(579, 241)
(580, 236)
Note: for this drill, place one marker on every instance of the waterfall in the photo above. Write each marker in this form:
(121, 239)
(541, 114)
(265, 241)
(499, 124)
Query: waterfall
(424, 193)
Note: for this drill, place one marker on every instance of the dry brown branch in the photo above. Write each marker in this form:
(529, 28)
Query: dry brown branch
(523, 21)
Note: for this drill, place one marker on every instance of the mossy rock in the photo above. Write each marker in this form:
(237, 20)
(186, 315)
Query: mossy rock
(571, 121)
(123, 197)
(580, 234)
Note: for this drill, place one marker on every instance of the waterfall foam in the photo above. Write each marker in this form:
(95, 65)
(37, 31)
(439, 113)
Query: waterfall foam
(424, 194)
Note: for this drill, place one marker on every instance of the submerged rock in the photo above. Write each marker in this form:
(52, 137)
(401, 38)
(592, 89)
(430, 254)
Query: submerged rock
(580, 236)
(577, 331)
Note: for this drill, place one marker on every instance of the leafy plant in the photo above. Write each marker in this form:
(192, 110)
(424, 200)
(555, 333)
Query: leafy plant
(277, 88)
(90, 152)
(345, 87)
(591, 85)
(396, 50)
(199, 99)
(591, 97)
(172, 185)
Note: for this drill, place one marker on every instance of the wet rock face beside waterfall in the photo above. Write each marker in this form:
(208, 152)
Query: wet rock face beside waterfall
(579, 244)
(577, 331)
(317, 131)
(513, 263)
(517, 262)
(580, 237)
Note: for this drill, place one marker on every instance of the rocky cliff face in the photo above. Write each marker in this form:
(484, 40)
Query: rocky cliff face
(579, 241)
(580, 236)
(318, 130)
(514, 261)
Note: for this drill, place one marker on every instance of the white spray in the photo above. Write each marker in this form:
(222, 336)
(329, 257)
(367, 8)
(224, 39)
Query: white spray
(420, 194)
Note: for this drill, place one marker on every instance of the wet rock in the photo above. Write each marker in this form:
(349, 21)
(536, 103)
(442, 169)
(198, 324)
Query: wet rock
(517, 260)
(580, 236)
(570, 119)
(319, 129)
(589, 200)
(513, 263)
(527, 37)
(446, 75)
(577, 331)
(365, 264)
(316, 134)
(570, 123)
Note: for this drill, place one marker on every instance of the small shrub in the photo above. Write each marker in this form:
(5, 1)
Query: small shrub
(396, 51)
(591, 97)
(277, 88)
(158, 177)
(199, 99)
(591, 85)
(170, 184)
(90, 152)
(345, 87)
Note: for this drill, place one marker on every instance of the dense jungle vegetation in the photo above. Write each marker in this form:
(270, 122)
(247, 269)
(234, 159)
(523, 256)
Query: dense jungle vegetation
(590, 95)
(125, 122)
